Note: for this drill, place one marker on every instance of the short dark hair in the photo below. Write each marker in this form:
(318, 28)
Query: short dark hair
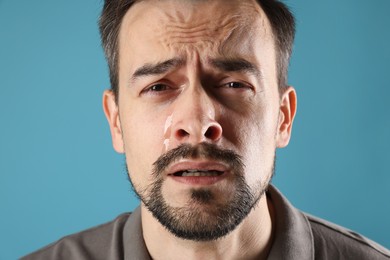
(281, 19)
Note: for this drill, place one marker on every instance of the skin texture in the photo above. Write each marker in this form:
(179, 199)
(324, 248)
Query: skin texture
(194, 99)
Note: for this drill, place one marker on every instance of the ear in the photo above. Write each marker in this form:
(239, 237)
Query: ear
(287, 110)
(111, 111)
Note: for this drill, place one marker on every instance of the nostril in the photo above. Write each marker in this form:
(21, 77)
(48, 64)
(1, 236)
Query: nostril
(213, 132)
(182, 133)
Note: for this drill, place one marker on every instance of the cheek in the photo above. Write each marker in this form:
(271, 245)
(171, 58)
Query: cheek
(143, 139)
(254, 138)
(259, 137)
(255, 127)
(259, 156)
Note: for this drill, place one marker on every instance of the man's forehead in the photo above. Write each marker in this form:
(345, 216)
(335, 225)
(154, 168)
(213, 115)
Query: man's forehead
(205, 24)
(195, 15)
(250, 6)
(196, 32)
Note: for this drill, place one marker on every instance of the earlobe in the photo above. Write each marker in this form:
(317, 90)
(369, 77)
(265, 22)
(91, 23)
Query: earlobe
(111, 111)
(288, 108)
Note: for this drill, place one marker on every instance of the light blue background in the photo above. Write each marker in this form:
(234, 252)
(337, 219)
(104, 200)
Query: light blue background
(59, 173)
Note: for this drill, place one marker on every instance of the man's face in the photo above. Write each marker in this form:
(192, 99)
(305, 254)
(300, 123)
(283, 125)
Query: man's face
(199, 115)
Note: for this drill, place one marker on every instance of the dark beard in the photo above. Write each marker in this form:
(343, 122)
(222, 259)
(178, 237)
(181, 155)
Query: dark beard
(203, 218)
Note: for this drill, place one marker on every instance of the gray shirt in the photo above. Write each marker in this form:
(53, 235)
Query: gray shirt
(297, 236)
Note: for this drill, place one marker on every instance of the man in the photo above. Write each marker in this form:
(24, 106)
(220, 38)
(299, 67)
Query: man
(199, 103)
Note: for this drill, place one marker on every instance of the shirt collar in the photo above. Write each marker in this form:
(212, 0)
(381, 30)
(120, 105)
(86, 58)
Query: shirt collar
(133, 240)
(293, 238)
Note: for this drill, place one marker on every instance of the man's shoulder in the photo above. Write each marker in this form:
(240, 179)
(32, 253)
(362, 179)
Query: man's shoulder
(99, 242)
(332, 241)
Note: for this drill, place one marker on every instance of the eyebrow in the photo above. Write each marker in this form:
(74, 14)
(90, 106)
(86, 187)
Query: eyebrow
(159, 68)
(236, 65)
(225, 65)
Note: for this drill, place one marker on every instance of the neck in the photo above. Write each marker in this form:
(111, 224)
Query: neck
(252, 239)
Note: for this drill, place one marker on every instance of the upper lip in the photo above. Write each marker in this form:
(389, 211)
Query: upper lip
(197, 165)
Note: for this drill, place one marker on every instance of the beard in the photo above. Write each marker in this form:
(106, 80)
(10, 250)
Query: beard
(204, 217)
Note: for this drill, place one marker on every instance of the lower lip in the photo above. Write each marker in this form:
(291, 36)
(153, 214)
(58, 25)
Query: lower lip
(199, 180)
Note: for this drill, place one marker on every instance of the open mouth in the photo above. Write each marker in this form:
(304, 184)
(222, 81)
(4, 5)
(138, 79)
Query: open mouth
(198, 173)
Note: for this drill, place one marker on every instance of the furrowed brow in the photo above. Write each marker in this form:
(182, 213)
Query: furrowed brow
(156, 69)
(236, 65)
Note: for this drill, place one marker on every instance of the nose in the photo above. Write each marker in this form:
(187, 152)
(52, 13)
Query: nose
(195, 119)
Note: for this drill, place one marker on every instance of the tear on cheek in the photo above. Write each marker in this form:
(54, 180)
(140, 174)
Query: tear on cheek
(167, 133)
(168, 123)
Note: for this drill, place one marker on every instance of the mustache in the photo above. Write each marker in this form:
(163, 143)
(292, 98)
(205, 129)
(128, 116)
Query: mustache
(201, 150)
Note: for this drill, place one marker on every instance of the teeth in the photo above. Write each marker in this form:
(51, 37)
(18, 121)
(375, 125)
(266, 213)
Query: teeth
(197, 173)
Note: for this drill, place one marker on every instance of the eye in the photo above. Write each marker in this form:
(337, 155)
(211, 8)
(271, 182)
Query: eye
(232, 85)
(235, 85)
(159, 91)
(234, 89)
(157, 88)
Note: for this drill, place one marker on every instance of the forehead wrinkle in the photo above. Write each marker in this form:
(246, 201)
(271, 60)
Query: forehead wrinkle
(191, 26)
(244, 35)
(180, 22)
(206, 33)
